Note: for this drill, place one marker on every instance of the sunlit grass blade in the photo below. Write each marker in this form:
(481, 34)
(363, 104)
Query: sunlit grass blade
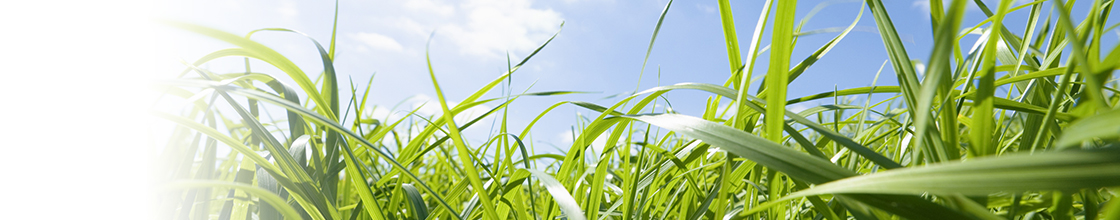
(463, 151)
(331, 125)
(1103, 126)
(259, 51)
(772, 155)
(777, 77)
(265, 195)
(1065, 170)
(563, 198)
(982, 115)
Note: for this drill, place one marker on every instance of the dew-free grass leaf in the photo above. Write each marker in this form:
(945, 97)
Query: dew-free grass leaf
(563, 198)
(1061, 170)
(795, 164)
(1104, 126)
(416, 202)
(263, 194)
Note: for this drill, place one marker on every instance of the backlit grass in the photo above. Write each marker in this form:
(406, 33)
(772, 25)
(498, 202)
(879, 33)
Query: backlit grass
(1018, 126)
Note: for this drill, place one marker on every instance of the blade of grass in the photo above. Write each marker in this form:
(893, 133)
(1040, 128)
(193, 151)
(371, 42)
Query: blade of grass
(263, 194)
(464, 157)
(777, 77)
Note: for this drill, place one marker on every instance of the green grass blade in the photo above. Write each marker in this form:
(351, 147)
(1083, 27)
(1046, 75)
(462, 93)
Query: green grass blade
(263, 194)
(266, 54)
(463, 150)
(1065, 170)
(1103, 126)
(416, 202)
(727, 21)
(563, 198)
(649, 49)
(777, 77)
(982, 115)
(817, 55)
(795, 164)
(330, 124)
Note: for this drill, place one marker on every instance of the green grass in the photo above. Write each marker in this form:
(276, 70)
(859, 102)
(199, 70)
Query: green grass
(1017, 127)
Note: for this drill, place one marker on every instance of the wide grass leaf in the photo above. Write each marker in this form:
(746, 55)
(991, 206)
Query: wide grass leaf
(563, 198)
(263, 194)
(1102, 126)
(1063, 170)
(795, 164)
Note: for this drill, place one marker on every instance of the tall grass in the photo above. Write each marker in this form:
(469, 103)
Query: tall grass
(1018, 126)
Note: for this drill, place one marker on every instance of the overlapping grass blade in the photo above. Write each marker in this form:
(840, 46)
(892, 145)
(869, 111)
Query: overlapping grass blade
(1103, 127)
(1063, 171)
(795, 164)
(272, 199)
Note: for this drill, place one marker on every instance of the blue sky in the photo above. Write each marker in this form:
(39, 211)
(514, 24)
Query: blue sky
(600, 48)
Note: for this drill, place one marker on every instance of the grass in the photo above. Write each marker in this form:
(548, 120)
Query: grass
(1019, 126)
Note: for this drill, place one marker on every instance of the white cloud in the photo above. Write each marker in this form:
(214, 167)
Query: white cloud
(429, 107)
(410, 26)
(798, 107)
(382, 113)
(924, 5)
(706, 8)
(471, 113)
(439, 8)
(494, 27)
(485, 28)
(288, 9)
(378, 41)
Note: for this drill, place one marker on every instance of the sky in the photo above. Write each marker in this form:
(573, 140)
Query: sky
(77, 71)
(600, 48)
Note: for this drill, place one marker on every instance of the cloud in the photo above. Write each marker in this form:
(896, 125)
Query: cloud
(485, 28)
(378, 41)
(924, 5)
(706, 8)
(433, 6)
(288, 9)
(492, 28)
(428, 106)
(798, 107)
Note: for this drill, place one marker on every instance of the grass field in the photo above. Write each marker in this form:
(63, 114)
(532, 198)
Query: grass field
(1012, 126)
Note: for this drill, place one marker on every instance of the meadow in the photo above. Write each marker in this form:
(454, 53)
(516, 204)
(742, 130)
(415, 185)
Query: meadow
(1020, 124)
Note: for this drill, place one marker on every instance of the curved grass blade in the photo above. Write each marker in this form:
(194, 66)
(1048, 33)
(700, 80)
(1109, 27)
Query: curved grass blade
(656, 29)
(272, 199)
(791, 162)
(795, 164)
(416, 202)
(1063, 170)
(563, 198)
(264, 53)
(468, 162)
(817, 55)
(1103, 126)
(846, 92)
(330, 82)
(330, 124)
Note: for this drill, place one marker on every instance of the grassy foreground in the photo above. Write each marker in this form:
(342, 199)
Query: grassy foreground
(1012, 127)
